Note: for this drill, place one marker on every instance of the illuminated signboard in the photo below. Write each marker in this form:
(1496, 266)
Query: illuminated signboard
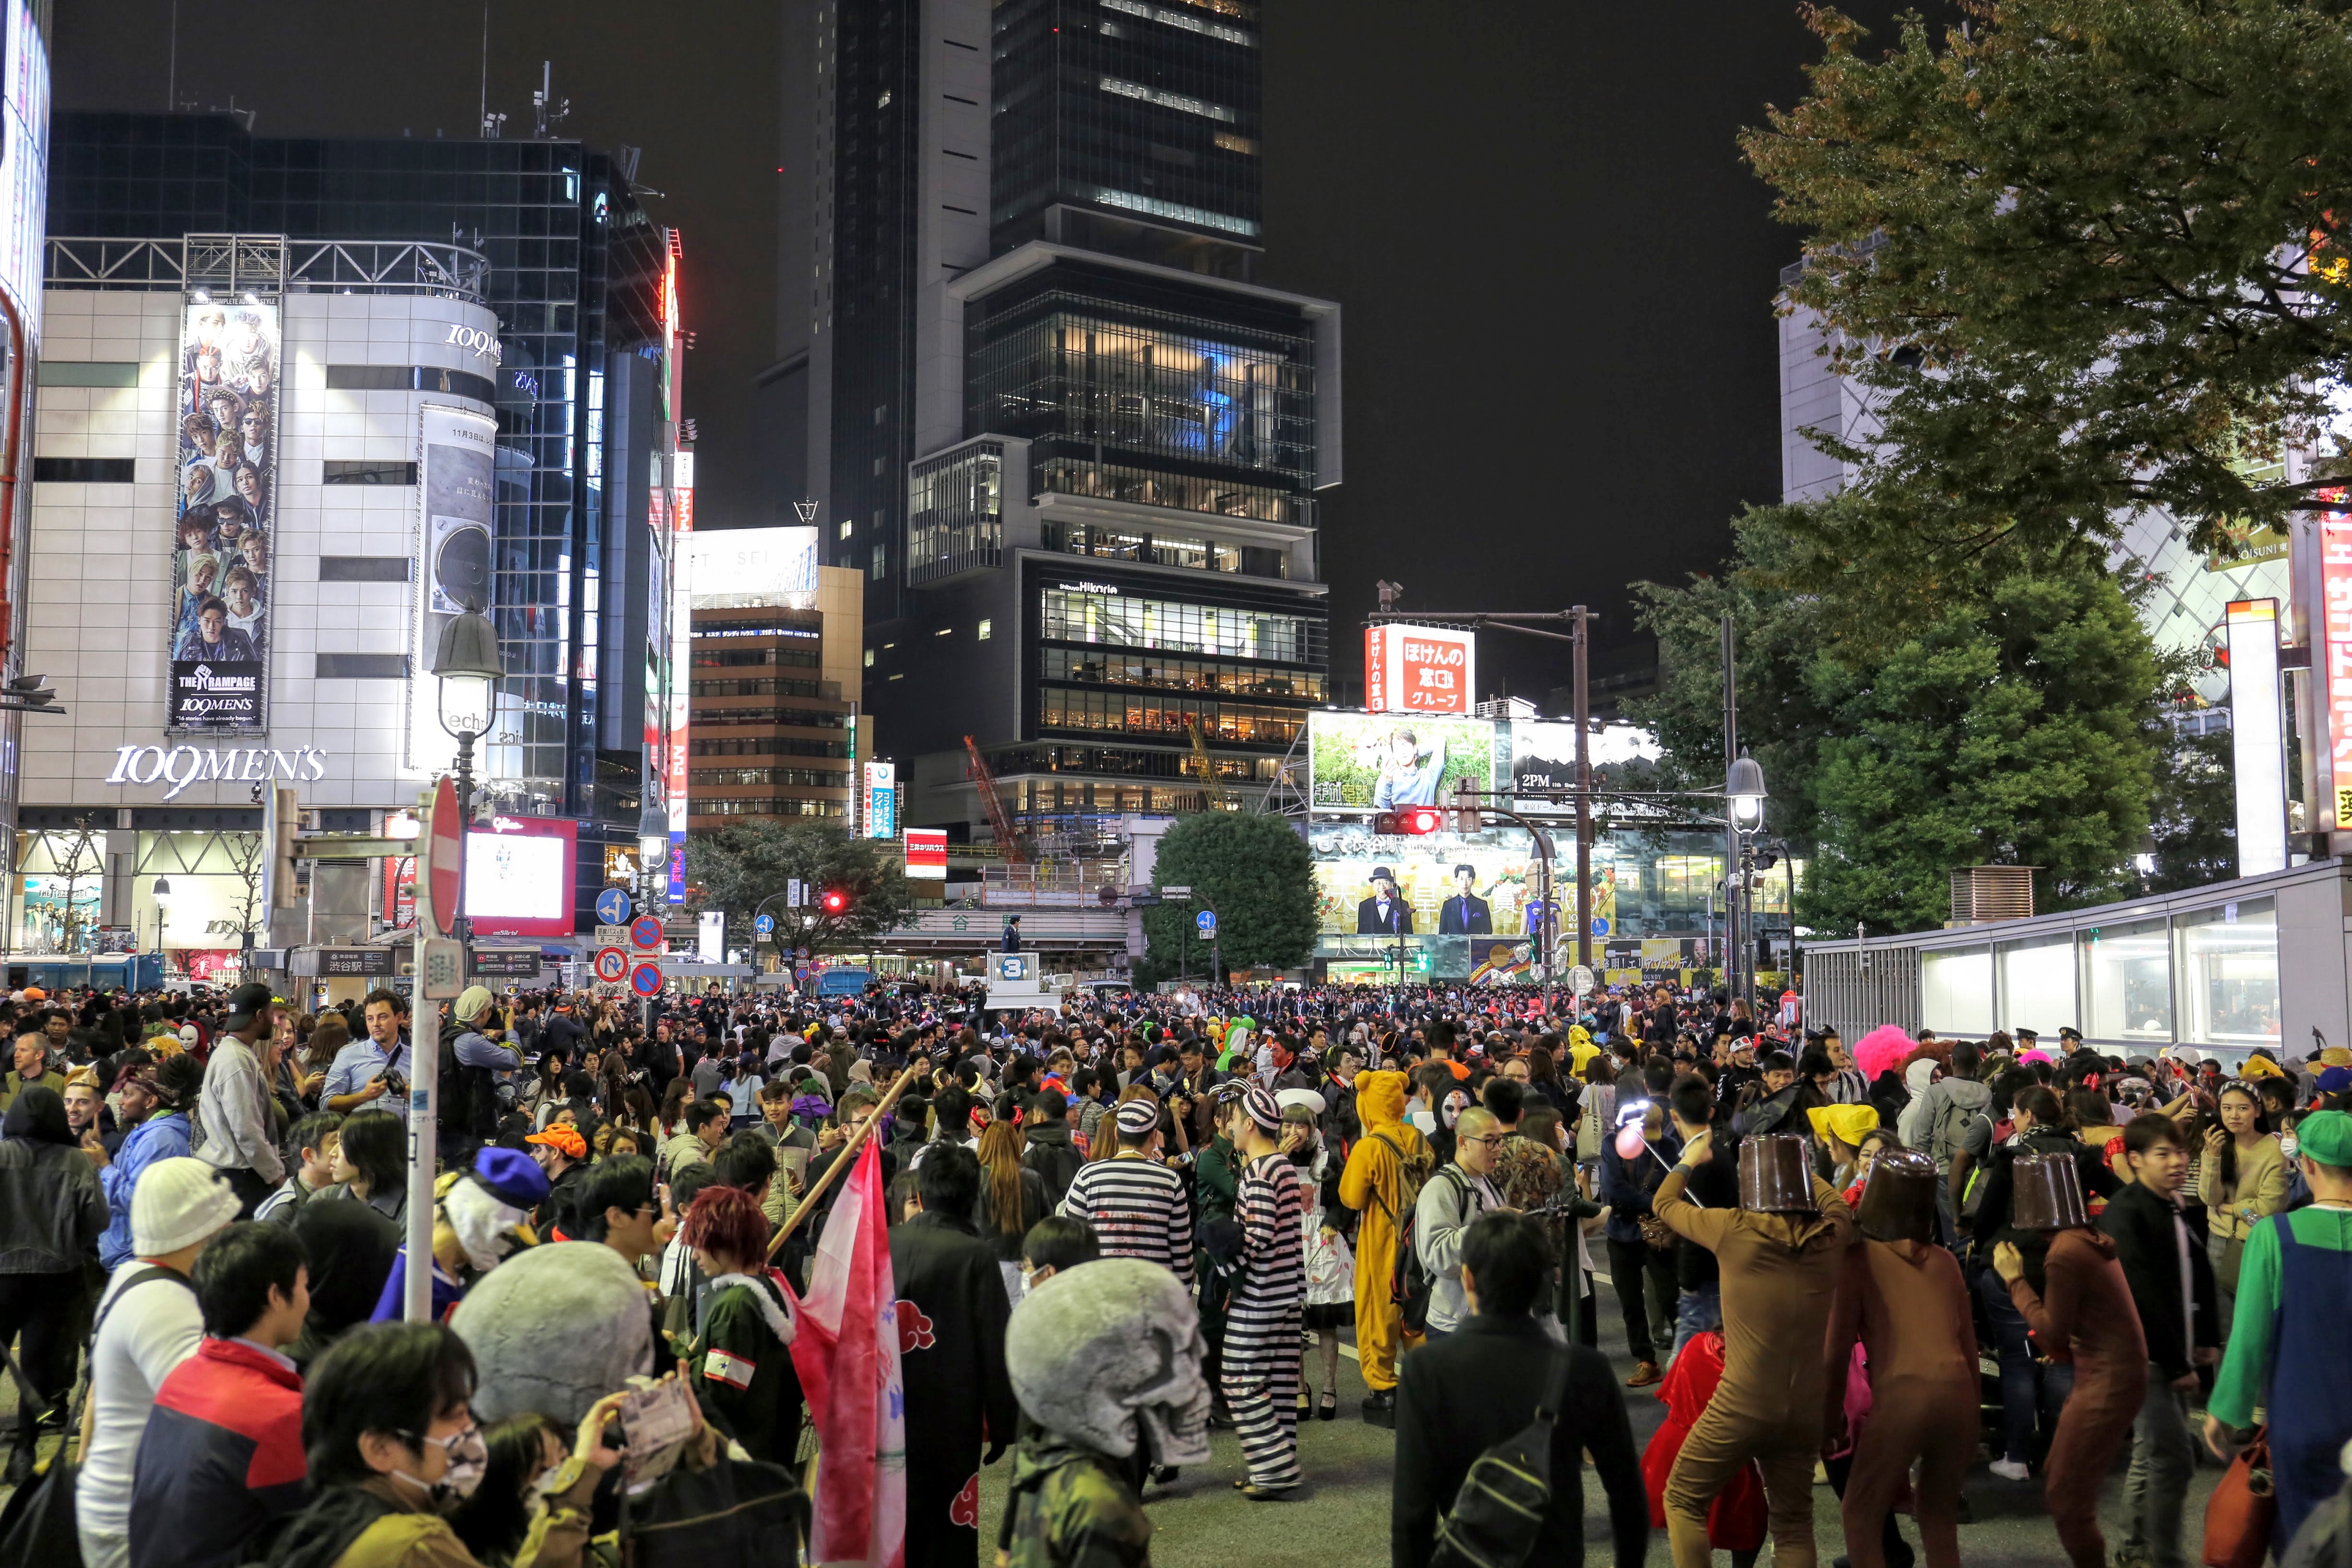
(1419, 670)
(927, 854)
(881, 800)
(2336, 635)
(519, 876)
(226, 479)
(1382, 761)
(2257, 736)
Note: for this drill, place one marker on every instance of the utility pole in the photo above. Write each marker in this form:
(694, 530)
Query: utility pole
(1734, 927)
(1582, 714)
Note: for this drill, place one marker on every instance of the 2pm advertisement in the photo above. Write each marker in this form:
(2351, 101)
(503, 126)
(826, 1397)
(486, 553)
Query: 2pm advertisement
(226, 409)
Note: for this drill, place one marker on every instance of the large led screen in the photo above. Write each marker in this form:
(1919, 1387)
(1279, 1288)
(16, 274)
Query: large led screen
(519, 877)
(227, 412)
(1380, 762)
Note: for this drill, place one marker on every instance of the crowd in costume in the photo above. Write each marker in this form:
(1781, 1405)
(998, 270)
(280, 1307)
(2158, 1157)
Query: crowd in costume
(1073, 1245)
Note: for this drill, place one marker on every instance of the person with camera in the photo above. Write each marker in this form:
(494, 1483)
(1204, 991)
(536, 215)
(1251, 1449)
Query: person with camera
(373, 1073)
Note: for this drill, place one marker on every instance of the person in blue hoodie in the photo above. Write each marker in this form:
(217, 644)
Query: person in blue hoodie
(155, 1103)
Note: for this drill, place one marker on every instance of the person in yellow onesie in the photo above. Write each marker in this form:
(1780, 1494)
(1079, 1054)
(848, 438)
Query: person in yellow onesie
(1388, 1161)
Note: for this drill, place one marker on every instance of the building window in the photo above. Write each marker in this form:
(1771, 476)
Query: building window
(88, 373)
(339, 472)
(85, 471)
(411, 378)
(362, 667)
(1113, 712)
(1125, 621)
(1183, 103)
(1180, 492)
(987, 629)
(869, 659)
(362, 568)
(1098, 666)
(700, 807)
(955, 516)
(881, 561)
(847, 528)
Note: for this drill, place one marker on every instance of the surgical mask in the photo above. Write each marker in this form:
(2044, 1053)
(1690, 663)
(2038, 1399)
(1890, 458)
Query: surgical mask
(2287, 1144)
(468, 1457)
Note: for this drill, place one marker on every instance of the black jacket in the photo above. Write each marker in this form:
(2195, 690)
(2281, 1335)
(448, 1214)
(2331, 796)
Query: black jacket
(1460, 1395)
(2147, 1246)
(1991, 1227)
(1052, 1157)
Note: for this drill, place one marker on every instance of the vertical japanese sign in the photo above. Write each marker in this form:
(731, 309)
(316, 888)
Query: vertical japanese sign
(678, 500)
(227, 410)
(2336, 636)
(881, 800)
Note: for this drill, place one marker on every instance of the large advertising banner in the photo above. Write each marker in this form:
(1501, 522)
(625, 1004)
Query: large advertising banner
(1380, 762)
(226, 411)
(1443, 884)
(519, 876)
(1532, 755)
(457, 469)
(1420, 669)
(2334, 531)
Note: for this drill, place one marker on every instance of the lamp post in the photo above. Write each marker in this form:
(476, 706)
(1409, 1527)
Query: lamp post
(163, 896)
(467, 670)
(1743, 789)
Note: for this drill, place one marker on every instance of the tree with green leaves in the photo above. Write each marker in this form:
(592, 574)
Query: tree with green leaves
(2085, 257)
(2020, 725)
(738, 867)
(1255, 871)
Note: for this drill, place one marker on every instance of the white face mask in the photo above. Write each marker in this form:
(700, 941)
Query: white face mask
(2287, 1144)
(468, 1457)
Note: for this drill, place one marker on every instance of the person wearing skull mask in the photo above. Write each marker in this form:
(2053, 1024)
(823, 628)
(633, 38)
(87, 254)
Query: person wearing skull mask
(1778, 1254)
(951, 1315)
(2085, 1309)
(1105, 1360)
(1902, 1297)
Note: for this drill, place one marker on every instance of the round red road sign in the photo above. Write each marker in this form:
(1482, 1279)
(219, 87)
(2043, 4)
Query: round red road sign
(611, 965)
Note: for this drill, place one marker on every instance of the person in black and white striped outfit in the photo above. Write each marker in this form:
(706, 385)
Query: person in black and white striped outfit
(1269, 1302)
(1136, 1205)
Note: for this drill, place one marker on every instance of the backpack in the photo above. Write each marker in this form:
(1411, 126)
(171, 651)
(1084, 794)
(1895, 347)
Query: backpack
(1057, 1165)
(1410, 1283)
(1944, 1133)
(1498, 1513)
(740, 1513)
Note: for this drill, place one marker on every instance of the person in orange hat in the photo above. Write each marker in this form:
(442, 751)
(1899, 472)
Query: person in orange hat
(562, 1153)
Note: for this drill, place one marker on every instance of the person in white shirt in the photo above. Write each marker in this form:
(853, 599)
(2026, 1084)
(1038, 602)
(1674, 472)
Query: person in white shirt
(148, 1323)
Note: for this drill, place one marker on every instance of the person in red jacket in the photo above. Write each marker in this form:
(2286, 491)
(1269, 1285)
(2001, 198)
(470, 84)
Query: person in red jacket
(222, 1454)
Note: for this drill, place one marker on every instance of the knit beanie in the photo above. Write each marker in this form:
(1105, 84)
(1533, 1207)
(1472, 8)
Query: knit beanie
(178, 1202)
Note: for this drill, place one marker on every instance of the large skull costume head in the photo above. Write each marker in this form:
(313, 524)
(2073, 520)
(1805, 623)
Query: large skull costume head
(1107, 1354)
(553, 1329)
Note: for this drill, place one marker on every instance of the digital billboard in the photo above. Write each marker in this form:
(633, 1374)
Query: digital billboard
(1532, 755)
(225, 477)
(1420, 669)
(457, 458)
(519, 877)
(751, 566)
(1442, 884)
(1380, 762)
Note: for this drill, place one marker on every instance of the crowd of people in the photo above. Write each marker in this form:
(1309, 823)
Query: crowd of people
(1118, 1225)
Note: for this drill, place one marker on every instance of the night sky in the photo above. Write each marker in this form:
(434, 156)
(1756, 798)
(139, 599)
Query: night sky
(1560, 366)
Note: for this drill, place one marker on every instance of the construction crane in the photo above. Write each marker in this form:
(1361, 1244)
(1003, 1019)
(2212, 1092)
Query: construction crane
(998, 817)
(1209, 780)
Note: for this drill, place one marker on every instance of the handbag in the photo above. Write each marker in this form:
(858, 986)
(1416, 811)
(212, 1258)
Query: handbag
(1498, 1514)
(2243, 1510)
(1655, 1233)
(738, 1513)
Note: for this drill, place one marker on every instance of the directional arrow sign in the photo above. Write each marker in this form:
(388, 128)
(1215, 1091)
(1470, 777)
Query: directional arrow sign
(765, 925)
(646, 935)
(611, 965)
(1207, 920)
(613, 907)
(646, 979)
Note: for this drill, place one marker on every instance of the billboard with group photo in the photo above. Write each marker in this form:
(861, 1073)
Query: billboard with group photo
(1444, 884)
(225, 407)
(1380, 762)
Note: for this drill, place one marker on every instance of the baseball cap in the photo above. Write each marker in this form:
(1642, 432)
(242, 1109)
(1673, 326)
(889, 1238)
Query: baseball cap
(472, 1003)
(245, 1005)
(563, 1137)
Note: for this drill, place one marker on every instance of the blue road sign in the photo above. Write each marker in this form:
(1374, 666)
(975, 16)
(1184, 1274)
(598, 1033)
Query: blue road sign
(1207, 923)
(765, 925)
(1600, 926)
(613, 907)
(646, 979)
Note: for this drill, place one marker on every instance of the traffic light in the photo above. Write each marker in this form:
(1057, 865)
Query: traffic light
(1420, 819)
(836, 902)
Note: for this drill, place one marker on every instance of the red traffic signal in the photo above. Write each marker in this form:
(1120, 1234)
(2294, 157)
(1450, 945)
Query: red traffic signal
(836, 900)
(1420, 819)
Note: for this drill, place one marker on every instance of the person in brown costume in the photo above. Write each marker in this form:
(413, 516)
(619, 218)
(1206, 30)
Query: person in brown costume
(1779, 1254)
(1903, 1296)
(2087, 1313)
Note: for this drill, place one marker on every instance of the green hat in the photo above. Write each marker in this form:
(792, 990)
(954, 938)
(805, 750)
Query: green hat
(2327, 1137)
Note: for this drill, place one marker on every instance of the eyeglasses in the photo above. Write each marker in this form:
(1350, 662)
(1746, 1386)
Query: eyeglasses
(1490, 1140)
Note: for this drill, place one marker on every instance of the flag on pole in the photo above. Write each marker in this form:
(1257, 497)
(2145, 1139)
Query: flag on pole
(846, 1354)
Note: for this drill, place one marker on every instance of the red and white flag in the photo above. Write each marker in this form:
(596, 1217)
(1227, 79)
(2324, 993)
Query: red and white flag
(846, 1354)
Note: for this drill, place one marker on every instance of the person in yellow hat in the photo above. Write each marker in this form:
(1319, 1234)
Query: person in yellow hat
(1840, 1130)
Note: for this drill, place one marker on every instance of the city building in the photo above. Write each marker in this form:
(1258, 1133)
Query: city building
(773, 729)
(1072, 443)
(2187, 591)
(23, 196)
(345, 390)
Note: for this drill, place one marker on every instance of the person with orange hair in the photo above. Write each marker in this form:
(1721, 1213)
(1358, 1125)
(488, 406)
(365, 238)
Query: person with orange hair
(741, 1357)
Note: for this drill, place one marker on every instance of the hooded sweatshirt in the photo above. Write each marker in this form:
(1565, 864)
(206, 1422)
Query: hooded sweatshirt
(1944, 1113)
(1375, 1181)
(1918, 1078)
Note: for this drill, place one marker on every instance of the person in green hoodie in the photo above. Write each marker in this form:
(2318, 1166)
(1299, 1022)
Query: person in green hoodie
(742, 1360)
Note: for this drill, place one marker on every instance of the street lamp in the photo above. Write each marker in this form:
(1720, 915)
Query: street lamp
(163, 896)
(467, 668)
(1743, 790)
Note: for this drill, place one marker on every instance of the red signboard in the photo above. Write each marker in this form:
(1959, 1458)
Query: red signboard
(1376, 668)
(926, 853)
(2336, 636)
(399, 889)
(1419, 670)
